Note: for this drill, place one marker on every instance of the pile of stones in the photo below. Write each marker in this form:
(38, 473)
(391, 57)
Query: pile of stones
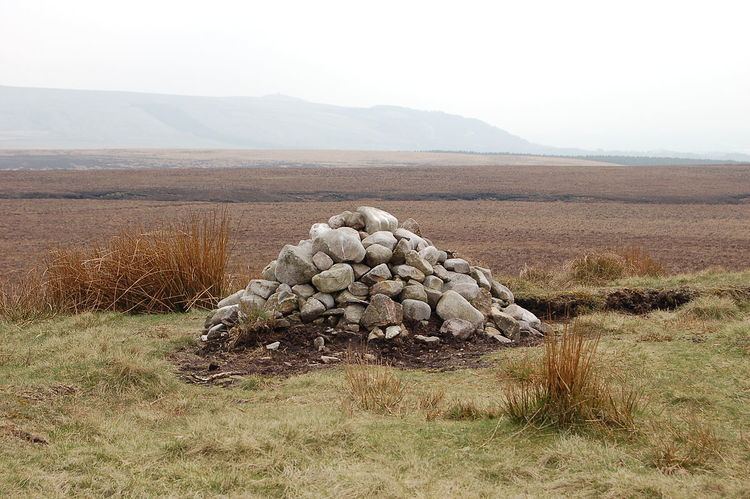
(363, 272)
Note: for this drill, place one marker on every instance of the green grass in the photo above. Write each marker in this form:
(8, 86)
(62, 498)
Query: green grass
(99, 389)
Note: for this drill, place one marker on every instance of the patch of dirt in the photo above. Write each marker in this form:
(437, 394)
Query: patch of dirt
(211, 363)
(629, 300)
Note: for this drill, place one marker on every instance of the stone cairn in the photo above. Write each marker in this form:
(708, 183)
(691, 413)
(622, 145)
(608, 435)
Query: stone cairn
(362, 272)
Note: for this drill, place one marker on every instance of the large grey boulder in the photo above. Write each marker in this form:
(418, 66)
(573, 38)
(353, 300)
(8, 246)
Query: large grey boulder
(376, 219)
(294, 265)
(338, 277)
(342, 245)
(454, 306)
(303, 290)
(381, 237)
(457, 265)
(382, 311)
(433, 282)
(375, 254)
(262, 287)
(416, 310)
(229, 316)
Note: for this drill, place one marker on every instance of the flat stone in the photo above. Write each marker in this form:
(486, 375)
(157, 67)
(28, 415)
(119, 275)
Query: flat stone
(389, 288)
(415, 241)
(359, 289)
(229, 315)
(327, 359)
(454, 306)
(326, 299)
(322, 261)
(233, 299)
(338, 277)
(468, 290)
(521, 314)
(440, 272)
(262, 287)
(346, 298)
(303, 290)
(430, 340)
(376, 219)
(409, 272)
(273, 346)
(382, 237)
(457, 265)
(415, 310)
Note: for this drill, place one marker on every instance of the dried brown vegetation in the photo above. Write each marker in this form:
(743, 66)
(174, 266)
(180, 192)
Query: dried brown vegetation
(570, 390)
(373, 386)
(179, 266)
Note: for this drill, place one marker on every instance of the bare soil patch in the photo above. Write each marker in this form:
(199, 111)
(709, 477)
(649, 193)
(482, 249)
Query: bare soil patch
(296, 353)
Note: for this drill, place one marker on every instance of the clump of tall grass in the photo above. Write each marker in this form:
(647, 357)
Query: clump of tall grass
(25, 299)
(599, 267)
(179, 266)
(373, 386)
(710, 308)
(571, 390)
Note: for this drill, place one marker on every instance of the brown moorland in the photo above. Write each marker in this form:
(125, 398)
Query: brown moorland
(504, 215)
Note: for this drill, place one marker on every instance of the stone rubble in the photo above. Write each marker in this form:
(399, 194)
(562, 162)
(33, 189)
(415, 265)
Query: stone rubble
(363, 272)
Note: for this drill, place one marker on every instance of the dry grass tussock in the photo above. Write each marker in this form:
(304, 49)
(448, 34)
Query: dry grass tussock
(604, 266)
(689, 446)
(373, 386)
(176, 267)
(569, 389)
(710, 308)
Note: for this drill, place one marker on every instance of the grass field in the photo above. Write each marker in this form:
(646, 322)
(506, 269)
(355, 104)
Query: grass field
(92, 406)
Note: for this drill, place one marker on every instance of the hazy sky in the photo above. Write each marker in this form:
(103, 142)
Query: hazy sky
(635, 75)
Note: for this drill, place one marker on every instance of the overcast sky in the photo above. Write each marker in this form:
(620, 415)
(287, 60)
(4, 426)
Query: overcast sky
(636, 75)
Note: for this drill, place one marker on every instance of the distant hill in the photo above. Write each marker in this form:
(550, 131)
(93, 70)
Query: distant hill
(52, 118)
